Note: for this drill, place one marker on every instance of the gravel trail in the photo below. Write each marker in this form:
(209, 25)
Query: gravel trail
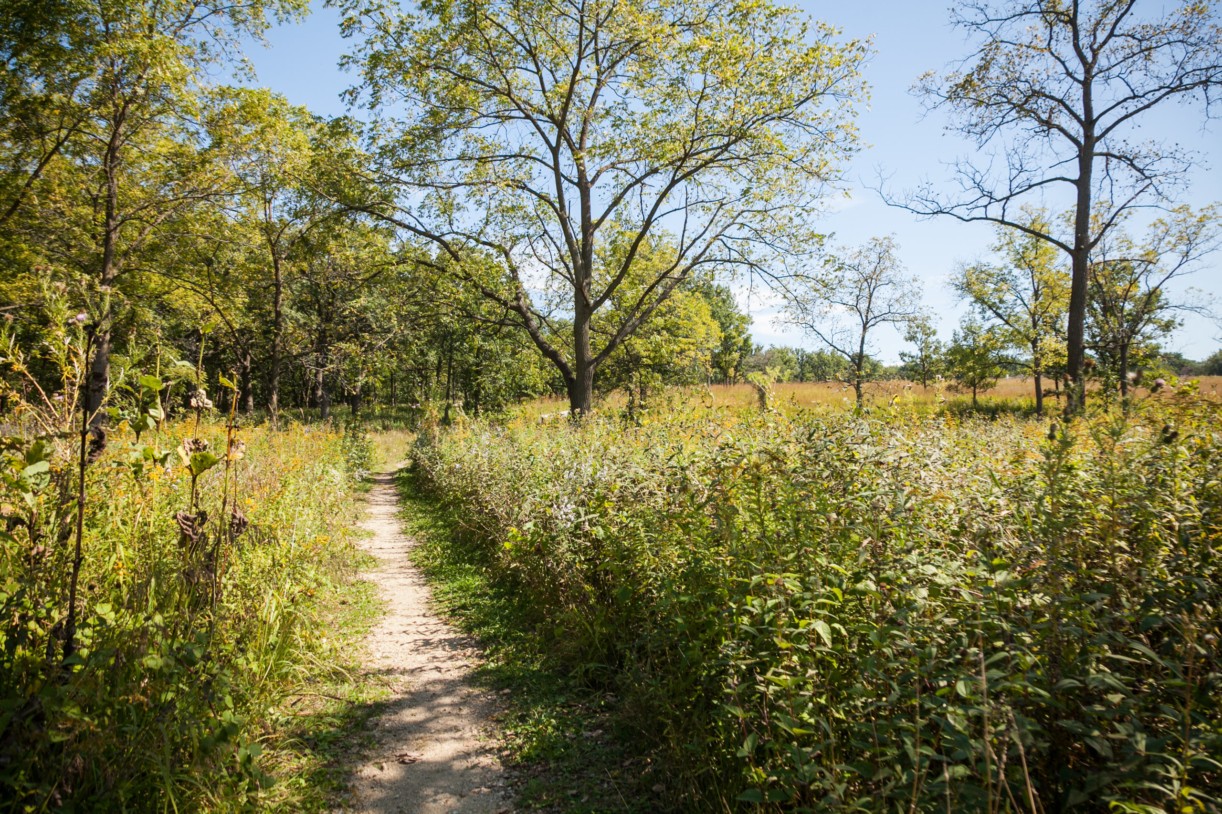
(436, 746)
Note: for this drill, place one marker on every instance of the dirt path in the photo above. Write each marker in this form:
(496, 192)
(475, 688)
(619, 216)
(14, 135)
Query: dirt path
(435, 747)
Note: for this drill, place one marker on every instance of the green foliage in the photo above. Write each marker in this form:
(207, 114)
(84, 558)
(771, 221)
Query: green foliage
(926, 361)
(889, 614)
(1025, 300)
(145, 649)
(598, 151)
(973, 358)
(1213, 365)
(358, 450)
(577, 744)
(736, 347)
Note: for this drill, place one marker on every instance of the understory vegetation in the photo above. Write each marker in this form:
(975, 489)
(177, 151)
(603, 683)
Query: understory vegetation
(159, 676)
(880, 611)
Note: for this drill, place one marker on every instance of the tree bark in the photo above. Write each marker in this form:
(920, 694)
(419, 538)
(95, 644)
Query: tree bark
(1124, 370)
(1075, 348)
(99, 369)
(273, 384)
(248, 383)
(580, 384)
(449, 381)
(1037, 371)
(321, 395)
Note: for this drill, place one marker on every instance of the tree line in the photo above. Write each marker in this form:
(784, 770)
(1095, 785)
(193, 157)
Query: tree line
(550, 196)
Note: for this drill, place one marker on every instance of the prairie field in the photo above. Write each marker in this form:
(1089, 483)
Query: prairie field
(1015, 392)
(900, 610)
(196, 639)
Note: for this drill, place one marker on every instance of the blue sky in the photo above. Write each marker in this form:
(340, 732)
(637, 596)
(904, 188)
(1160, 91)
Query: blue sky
(909, 39)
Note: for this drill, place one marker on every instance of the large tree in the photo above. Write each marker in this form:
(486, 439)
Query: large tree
(134, 152)
(1059, 88)
(533, 129)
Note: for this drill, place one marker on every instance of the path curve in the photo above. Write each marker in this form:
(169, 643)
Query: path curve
(436, 749)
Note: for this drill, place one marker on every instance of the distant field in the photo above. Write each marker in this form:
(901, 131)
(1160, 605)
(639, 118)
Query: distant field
(824, 394)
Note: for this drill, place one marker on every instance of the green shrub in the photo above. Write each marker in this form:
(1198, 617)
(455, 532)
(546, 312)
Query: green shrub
(897, 613)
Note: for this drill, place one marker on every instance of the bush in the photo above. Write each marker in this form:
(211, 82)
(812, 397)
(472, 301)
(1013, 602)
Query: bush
(896, 613)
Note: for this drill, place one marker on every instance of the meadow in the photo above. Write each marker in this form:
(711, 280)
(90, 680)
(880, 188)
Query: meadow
(201, 659)
(809, 609)
(1013, 394)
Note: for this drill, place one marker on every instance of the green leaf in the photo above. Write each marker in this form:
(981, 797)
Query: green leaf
(825, 631)
(36, 468)
(226, 383)
(201, 462)
(751, 796)
(151, 383)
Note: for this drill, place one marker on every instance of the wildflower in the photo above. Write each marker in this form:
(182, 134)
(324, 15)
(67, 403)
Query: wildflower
(81, 317)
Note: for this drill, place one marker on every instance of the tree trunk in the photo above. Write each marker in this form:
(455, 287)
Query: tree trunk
(1037, 370)
(273, 384)
(248, 383)
(860, 365)
(321, 396)
(99, 369)
(1124, 370)
(1075, 340)
(99, 376)
(449, 381)
(355, 402)
(581, 385)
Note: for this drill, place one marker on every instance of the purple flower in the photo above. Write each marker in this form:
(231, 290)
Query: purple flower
(81, 317)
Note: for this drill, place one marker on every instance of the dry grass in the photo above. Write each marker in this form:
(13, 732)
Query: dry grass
(393, 446)
(819, 395)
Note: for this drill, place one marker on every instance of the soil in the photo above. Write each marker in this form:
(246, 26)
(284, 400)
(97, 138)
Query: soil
(436, 746)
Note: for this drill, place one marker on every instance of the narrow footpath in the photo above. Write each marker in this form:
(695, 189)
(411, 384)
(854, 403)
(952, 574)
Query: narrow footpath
(436, 747)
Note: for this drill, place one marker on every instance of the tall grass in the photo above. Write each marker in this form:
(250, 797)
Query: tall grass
(1011, 395)
(893, 612)
(184, 649)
